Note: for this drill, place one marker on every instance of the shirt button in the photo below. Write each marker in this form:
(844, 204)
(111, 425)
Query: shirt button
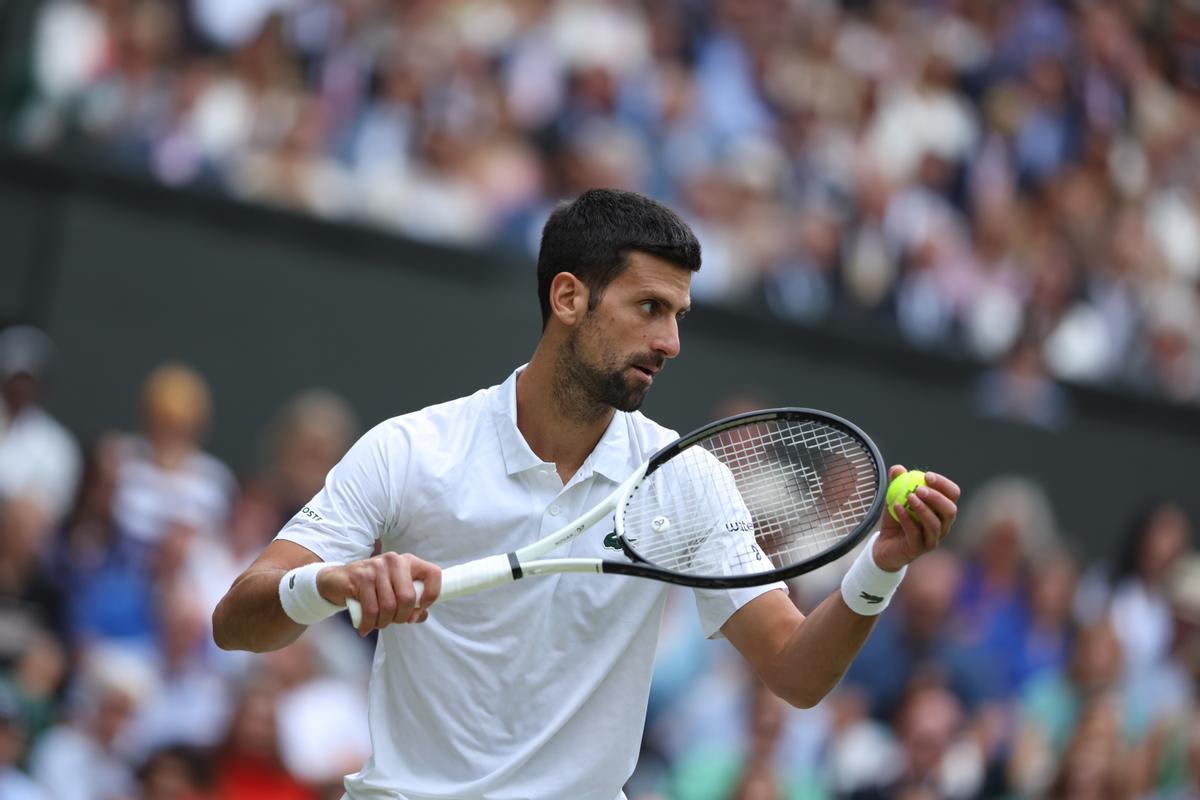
(554, 510)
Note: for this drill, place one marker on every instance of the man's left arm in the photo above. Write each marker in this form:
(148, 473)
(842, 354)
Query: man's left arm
(802, 658)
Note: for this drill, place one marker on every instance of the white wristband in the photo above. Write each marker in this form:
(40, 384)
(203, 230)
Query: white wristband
(299, 596)
(866, 588)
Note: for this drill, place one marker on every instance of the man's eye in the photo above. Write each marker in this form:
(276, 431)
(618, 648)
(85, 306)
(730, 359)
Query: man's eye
(647, 306)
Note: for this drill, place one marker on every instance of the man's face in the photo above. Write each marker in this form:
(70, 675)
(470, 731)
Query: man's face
(614, 354)
(18, 391)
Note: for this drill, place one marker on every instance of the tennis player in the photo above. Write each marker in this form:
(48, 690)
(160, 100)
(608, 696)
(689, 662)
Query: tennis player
(538, 689)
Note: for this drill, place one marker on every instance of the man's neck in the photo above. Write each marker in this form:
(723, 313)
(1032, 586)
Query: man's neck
(553, 424)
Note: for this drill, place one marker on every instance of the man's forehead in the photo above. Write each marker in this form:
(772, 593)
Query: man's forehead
(644, 271)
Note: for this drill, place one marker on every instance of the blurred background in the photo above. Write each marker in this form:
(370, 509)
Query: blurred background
(234, 235)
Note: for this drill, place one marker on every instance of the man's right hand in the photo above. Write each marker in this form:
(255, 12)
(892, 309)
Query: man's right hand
(383, 586)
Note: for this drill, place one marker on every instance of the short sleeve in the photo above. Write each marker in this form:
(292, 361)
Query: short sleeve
(716, 606)
(689, 516)
(730, 549)
(359, 501)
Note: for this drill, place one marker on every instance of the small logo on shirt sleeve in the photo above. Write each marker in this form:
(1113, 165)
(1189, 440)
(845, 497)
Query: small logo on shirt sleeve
(313, 515)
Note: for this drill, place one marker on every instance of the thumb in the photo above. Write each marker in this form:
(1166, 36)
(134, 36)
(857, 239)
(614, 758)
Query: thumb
(333, 584)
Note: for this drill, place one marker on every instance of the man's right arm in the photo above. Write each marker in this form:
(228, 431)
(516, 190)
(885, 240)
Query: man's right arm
(251, 617)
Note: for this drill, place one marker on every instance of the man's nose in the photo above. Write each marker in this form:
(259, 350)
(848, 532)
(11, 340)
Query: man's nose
(667, 338)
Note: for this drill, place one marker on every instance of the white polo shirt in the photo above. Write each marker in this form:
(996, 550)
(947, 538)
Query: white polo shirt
(535, 690)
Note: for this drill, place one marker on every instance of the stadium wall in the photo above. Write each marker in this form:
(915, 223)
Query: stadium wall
(125, 274)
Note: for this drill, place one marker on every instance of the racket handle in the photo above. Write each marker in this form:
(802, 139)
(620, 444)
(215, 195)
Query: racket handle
(464, 579)
(355, 608)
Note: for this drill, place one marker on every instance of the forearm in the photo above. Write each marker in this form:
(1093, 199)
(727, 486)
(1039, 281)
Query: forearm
(250, 616)
(818, 653)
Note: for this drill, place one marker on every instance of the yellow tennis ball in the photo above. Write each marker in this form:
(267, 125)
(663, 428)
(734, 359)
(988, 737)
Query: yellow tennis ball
(900, 488)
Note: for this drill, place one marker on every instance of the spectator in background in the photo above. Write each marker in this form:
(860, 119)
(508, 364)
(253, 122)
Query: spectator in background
(753, 774)
(167, 487)
(308, 436)
(249, 765)
(916, 639)
(194, 701)
(1051, 627)
(1008, 526)
(38, 457)
(1140, 605)
(109, 591)
(1173, 770)
(14, 784)
(1096, 764)
(1190, 790)
(255, 515)
(176, 772)
(37, 679)
(1057, 709)
(85, 758)
(31, 601)
(938, 759)
(1020, 388)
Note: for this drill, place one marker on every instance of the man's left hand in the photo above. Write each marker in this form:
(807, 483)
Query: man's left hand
(935, 508)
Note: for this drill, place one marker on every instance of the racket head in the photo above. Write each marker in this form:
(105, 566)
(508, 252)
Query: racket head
(752, 499)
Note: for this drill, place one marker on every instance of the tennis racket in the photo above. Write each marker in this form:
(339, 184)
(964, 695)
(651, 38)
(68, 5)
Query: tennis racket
(744, 501)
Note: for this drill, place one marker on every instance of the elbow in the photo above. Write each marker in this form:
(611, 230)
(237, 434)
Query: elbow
(804, 694)
(220, 630)
(803, 699)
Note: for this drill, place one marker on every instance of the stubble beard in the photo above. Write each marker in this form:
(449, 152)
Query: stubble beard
(588, 391)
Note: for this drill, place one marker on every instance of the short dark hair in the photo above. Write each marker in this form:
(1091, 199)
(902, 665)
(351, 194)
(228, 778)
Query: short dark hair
(591, 236)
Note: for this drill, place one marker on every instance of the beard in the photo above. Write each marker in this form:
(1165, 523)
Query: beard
(591, 388)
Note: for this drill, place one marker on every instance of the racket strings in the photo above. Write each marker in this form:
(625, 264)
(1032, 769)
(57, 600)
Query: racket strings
(756, 497)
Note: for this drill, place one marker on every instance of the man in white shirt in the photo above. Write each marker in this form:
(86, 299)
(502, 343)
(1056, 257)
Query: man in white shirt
(535, 690)
(39, 458)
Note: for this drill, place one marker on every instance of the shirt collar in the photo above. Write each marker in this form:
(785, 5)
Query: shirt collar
(517, 455)
(613, 456)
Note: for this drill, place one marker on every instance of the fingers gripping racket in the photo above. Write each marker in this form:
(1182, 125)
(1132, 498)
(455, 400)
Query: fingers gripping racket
(744, 501)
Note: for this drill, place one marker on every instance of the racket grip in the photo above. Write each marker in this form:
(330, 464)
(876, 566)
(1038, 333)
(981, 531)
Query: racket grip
(354, 608)
(475, 576)
(464, 579)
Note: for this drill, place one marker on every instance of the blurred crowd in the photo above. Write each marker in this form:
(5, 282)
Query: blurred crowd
(1014, 182)
(1005, 667)
(111, 562)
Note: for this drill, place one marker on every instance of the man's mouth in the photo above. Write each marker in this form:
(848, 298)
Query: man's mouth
(647, 370)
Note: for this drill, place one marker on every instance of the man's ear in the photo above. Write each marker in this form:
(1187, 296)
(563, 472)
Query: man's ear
(568, 299)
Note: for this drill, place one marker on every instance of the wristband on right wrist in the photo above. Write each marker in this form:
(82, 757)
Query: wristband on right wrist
(299, 596)
(867, 588)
